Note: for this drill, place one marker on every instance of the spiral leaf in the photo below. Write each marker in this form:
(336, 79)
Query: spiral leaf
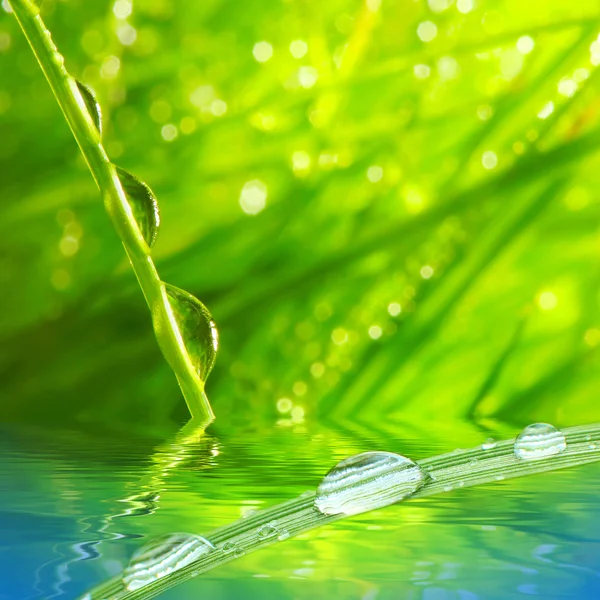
(91, 104)
(143, 204)
(197, 329)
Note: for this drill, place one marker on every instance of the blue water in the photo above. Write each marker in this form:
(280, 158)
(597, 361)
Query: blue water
(75, 506)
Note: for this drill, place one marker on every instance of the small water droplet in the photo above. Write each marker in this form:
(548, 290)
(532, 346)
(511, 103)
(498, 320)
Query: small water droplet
(592, 446)
(143, 204)
(588, 438)
(461, 484)
(268, 530)
(473, 462)
(448, 488)
(539, 440)
(367, 481)
(197, 329)
(228, 547)
(91, 105)
(499, 478)
(239, 551)
(489, 444)
(164, 555)
(284, 534)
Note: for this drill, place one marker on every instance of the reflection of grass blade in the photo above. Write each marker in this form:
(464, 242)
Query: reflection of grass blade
(462, 468)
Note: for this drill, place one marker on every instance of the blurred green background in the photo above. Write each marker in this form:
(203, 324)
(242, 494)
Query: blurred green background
(390, 207)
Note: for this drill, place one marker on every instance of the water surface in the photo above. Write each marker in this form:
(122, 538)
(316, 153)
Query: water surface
(75, 506)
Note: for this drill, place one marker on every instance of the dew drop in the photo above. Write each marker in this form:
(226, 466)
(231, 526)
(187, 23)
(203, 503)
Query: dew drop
(367, 481)
(143, 205)
(197, 328)
(91, 104)
(268, 530)
(489, 444)
(538, 441)
(228, 547)
(164, 555)
(284, 534)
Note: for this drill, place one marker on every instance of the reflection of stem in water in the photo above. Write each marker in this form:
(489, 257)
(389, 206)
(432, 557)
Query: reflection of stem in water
(190, 443)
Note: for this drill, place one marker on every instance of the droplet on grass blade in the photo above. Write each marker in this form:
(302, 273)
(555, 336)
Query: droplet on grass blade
(367, 481)
(268, 530)
(197, 329)
(164, 555)
(91, 104)
(489, 444)
(538, 441)
(228, 547)
(143, 204)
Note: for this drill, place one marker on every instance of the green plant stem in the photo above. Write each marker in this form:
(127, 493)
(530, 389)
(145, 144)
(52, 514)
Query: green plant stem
(88, 138)
(452, 471)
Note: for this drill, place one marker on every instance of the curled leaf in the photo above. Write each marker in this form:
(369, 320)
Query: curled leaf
(91, 104)
(197, 329)
(143, 204)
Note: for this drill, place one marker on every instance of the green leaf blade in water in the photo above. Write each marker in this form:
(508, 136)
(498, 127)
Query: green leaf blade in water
(197, 328)
(143, 204)
(91, 104)
(446, 472)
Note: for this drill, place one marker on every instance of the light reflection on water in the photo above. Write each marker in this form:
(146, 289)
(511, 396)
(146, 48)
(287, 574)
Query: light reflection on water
(76, 506)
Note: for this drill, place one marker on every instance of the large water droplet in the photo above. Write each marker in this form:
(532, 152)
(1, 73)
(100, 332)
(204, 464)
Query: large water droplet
(91, 104)
(538, 441)
(162, 556)
(143, 205)
(367, 481)
(197, 328)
